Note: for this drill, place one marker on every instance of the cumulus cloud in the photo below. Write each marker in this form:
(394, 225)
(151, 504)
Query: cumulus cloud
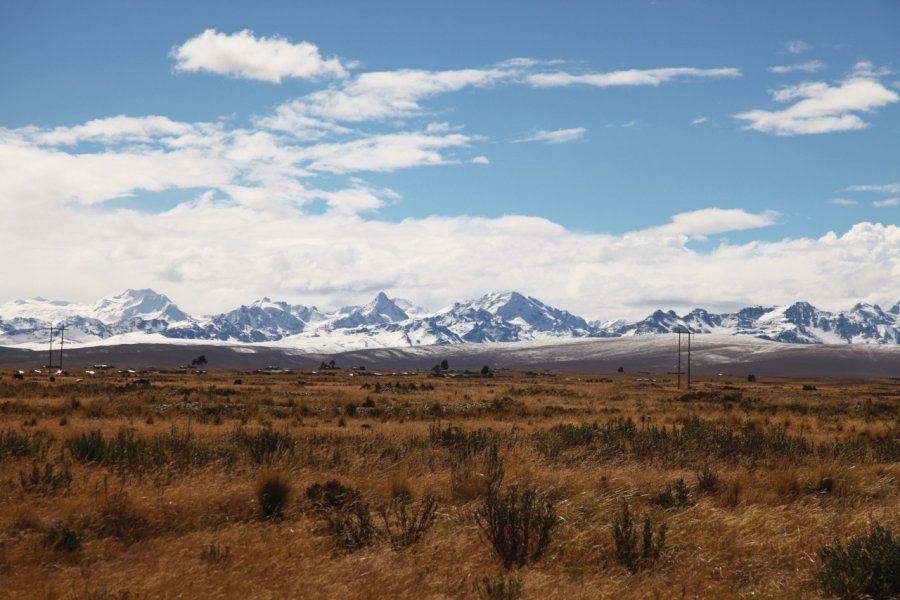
(808, 67)
(481, 160)
(631, 77)
(244, 55)
(821, 108)
(708, 221)
(556, 136)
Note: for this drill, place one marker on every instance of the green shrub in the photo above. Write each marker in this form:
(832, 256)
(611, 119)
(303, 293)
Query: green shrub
(625, 540)
(19, 445)
(517, 525)
(867, 567)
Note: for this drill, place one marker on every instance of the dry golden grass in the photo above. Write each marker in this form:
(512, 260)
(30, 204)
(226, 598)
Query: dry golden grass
(185, 521)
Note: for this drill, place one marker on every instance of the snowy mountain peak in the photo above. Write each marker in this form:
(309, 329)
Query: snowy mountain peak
(380, 311)
(144, 304)
(384, 307)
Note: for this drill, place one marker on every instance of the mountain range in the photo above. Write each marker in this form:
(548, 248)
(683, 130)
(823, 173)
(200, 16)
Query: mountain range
(146, 316)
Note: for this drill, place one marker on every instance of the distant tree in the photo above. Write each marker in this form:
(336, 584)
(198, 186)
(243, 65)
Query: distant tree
(485, 370)
(201, 361)
(621, 369)
(445, 366)
(331, 364)
(751, 378)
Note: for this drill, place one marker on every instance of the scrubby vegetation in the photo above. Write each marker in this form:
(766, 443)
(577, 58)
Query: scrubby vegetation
(514, 485)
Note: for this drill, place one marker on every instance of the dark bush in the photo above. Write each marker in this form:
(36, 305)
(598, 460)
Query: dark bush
(272, 491)
(867, 567)
(63, 539)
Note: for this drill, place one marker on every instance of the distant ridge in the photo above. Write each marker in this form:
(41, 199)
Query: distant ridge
(145, 316)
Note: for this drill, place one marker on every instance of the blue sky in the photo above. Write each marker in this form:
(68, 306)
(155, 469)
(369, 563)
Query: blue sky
(575, 151)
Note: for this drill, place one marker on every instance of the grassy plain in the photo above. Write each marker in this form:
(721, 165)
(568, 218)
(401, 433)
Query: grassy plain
(115, 488)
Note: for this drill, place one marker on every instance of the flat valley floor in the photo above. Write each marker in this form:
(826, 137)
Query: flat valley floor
(358, 485)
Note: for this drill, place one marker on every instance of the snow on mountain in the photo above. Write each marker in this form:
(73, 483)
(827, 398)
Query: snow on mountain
(379, 311)
(508, 317)
(136, 304)
(497, 317)
(410, 308)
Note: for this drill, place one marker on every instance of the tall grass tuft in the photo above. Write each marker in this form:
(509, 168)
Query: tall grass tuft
(406, 523)
(348, 518)
(499, 587)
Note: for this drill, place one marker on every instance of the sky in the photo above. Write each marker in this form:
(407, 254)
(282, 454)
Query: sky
(608, 158)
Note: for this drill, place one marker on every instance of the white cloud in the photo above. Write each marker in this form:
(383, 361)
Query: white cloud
(153, 154)
(844, 202)
(378, 96)
(886, 202)
(868, 70)
(797, 47)
(631, 77)
(387, 152)
(821, 108)
(242, 54)
(887, 188)
(699, 120)
(708, 221)
(190, 253)
(121, 128)
(556, 136)
(481, 160)
(807, 67)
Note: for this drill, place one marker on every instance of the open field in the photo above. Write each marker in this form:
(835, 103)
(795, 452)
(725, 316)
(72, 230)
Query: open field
(713, 354)
(150, 485)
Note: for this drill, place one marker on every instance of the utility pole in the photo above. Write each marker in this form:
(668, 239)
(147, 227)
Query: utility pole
(679, 359)
(62, 338)
(689, 334)
(50, 355)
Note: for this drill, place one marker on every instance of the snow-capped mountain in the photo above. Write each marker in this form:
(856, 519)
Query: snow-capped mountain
(798, 323)
(144, 315)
